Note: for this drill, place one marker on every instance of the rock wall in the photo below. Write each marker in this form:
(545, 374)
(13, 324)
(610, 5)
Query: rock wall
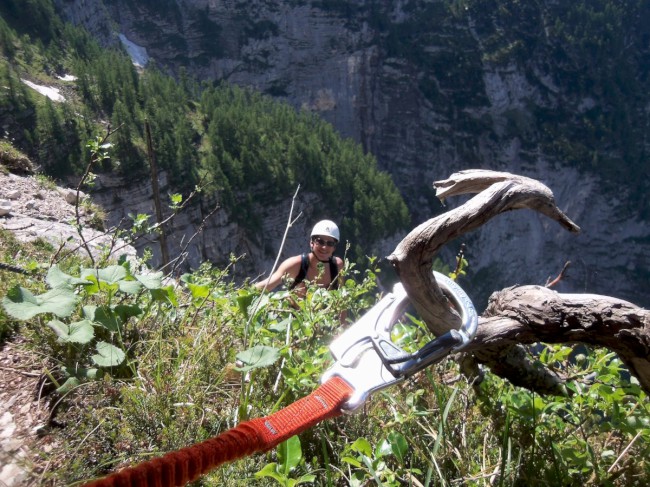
(424, 111)
(198, 233)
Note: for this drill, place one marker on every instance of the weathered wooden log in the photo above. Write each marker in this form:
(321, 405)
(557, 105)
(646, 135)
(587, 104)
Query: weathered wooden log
(519, 315)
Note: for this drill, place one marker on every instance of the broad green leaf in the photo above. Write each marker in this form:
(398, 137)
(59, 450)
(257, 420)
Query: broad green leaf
(307, 478)
(57, 278)
(258, 356)
(122, 311)
(165, 295)
(68, 385)
(270, 470)
(188, 278)
(151, 281)
(398, 445)
(352, 461)
(289, 454)
(198, 291)
(129, 286)
(108, 355)
(99, 285)
(93, 287)
(77, 332)
(244, 300)
(281, 326)
(23, 305)
(82, 373)
(111, 274)
(382, 449)
(107, 318)
(89, 311)
(361, 445)
(126, 311)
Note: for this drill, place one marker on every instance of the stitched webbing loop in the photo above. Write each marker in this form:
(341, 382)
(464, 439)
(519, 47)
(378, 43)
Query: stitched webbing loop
(179, 467)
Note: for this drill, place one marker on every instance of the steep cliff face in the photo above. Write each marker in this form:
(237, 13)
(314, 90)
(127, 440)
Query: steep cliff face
(434, 87)
(205, 231)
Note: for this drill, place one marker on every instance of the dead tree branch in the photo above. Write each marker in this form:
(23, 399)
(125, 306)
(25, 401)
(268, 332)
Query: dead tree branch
(518, 315)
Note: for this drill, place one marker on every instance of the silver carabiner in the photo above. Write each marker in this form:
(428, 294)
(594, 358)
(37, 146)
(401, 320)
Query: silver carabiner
(369, 361)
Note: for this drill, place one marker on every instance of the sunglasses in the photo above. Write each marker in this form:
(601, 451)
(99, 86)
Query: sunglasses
(321, 242)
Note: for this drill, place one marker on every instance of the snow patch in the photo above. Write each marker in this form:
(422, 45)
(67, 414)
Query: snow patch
(138, 54)
(52, 93)
(67, 77)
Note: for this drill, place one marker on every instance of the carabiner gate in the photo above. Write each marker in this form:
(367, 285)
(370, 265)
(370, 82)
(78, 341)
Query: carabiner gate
(369, 361)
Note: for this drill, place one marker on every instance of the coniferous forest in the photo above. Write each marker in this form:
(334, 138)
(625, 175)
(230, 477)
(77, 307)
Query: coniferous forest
(231, 139)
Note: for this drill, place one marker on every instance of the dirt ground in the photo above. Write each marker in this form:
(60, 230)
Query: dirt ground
(37, 211)
(24, 414)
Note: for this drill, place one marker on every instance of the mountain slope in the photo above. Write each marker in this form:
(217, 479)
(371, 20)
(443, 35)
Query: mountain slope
(557, 91)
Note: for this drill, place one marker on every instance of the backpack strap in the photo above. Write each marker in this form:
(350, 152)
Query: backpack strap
(302, 273)
(334, 273)
(304, 267)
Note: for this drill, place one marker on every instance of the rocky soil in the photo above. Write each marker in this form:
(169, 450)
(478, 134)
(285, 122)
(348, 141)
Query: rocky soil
(24, 415)
(32, 209)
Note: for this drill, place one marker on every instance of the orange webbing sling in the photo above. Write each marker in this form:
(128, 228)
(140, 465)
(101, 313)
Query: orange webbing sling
(179, 467)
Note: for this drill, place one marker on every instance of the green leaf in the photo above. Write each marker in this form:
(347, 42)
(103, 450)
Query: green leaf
(198, 291)
(289, 454)
(244, 300)
(111, 274)
(107, 318)
(23, 305)
(89, 311)
(382, 449)
(306, 478)
(271, 470)
(352, 461)
(108, 356)
(398, 445)
(258, 356)
(129, 286)
(57, 278)
(281, 326)
(68, 385)
(93, 287)
(77, 332)
(151, 281)
(176, 199)
(82, 373)
(362, 446)
(126, 311)
(165, 295)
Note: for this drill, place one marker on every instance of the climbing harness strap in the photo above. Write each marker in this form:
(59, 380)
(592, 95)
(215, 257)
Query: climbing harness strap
(179, 467)
(366, 362)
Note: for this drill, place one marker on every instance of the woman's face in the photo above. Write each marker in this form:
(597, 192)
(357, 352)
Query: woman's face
(322, 246)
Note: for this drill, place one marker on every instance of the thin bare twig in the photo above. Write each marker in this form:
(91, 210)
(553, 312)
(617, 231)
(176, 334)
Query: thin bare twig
(92, 161)
(559, 277)
(290, 222)
(624, 452)
(198, 231)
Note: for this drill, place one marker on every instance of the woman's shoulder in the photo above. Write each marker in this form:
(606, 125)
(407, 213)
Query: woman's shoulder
(291, 262)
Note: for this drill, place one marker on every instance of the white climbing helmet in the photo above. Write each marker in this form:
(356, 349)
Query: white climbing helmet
(328, 228)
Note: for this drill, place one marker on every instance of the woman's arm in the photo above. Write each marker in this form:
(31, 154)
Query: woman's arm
(289, 267)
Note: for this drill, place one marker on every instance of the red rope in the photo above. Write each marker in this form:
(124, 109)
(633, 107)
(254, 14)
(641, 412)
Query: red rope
(179, 467)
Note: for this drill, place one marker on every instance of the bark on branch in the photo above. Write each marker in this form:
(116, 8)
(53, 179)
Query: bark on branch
(518, 315)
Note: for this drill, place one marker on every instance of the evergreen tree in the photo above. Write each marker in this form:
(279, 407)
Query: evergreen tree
(50, 134)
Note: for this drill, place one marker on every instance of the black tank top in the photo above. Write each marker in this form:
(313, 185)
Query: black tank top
(304, 267)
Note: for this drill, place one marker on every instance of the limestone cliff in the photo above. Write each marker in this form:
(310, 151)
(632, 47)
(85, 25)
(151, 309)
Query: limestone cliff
(432, 87)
